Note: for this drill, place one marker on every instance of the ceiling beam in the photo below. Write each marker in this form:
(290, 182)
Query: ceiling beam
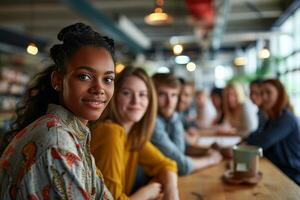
(235, 37)
(240, 16)
(87, 10)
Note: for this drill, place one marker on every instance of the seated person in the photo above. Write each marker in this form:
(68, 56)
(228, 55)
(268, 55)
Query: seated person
(280, 135)
(239, 113)
(216, 95)
(169, 132)
(120, 141)
(186, 110)
(205, 111)
(185, 106)
(48, 154)
(256, 98)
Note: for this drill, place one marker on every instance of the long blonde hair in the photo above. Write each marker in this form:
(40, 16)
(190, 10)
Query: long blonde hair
(240, 95)
(141, 131)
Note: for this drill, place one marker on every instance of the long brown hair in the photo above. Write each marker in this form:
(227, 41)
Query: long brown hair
(141, 131)
(282, 101)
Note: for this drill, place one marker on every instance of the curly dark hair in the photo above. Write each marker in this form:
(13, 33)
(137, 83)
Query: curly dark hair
(40, 92)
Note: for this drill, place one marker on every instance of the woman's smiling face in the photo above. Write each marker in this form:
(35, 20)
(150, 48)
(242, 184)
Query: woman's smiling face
(132, 99)
(88, 83)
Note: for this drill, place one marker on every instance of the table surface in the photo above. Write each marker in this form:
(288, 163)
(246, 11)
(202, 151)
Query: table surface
(207, 184)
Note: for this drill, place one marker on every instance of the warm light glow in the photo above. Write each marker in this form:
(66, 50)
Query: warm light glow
(240, 61)
(119, 67)
(191, 66)
(158, 17)
(32, 49)
(177, 49)
(264, 53)
(182, 59)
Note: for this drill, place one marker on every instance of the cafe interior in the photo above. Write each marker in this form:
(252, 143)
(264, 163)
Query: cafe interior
(221, 80)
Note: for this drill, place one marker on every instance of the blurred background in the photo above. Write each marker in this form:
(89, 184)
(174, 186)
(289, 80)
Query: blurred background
(210, 42)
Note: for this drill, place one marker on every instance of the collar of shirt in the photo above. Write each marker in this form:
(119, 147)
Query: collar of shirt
(173, 118)
(70, 121)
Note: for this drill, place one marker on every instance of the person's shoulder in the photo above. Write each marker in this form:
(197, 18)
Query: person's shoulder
(46, 126)
(289, 116)
(159, 121)
(47, 132)
(176, 120)
(107, 128)
(175, 116)
(247, 105)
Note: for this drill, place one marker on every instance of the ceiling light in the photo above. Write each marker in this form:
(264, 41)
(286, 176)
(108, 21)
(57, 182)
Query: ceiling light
(191, 66)
(177, 49)
(32, 49)
(158, 17)
(163, 69)
(182, 59)
(264, 53)
(240, 61)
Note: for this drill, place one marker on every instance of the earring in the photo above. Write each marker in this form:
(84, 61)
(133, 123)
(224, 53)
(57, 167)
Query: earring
(56, 88)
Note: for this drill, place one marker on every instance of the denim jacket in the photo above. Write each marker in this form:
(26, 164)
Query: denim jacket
(169, 137)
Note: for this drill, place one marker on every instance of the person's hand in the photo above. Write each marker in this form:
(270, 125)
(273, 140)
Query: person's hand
(153, 190)
(226, 131)
(192, 131)
(149, 192)
(227, 152)
(215, 157)
(191, 135)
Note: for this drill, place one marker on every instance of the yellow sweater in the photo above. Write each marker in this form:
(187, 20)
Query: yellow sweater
(118, 165)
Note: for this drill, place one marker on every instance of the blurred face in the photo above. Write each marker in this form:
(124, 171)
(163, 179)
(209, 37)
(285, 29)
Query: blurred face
(269, 96)
(132, 100)
(167, 100)
(232, 98)
(255, 94)
(201, 100)
(216, 101)
(88, 83)
(185, 97)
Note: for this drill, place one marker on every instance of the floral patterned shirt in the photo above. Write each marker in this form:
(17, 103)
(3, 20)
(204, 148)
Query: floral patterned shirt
(51, 159)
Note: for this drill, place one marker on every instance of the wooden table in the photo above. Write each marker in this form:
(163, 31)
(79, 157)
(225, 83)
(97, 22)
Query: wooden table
(208, 185)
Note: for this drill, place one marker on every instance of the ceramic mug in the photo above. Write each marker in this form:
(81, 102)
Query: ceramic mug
(246, 160)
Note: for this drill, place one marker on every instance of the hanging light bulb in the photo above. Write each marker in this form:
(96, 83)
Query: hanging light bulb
(32, 49)
(158, 17)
